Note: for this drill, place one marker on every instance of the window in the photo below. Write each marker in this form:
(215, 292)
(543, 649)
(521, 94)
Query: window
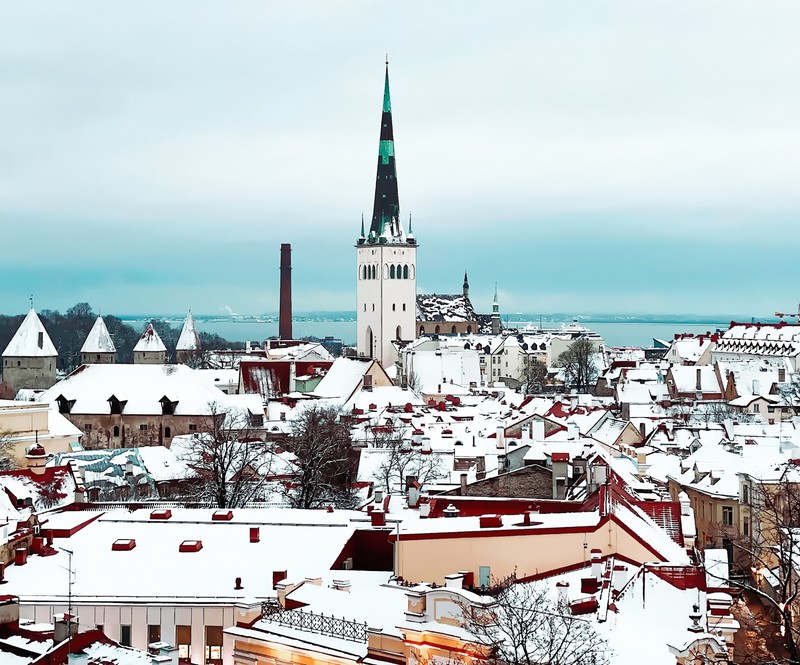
(153, 633)
(727, 515)
(183, 640)
(746, 526)
(746, 495)
(168, 432)
(405, 272)
(87, 427)
(391, 272)
(770, 409)
(125, 635)
(394, 307)
(373, 307)
(142, 428)
(116, 430)
(192, 427)
(214, 643)
(404, 307)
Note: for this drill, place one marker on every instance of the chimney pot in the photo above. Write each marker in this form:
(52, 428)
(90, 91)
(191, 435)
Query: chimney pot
(238, 586)
(255, 534)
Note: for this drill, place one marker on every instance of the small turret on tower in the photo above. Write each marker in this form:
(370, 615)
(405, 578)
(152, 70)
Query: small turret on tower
(465, 289)
(495, 313)
(188, 346)
(29, 360)
(149, 350)
(98, 349)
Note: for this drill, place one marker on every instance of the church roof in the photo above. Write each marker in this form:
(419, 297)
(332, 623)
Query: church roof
(189, 340)
(150, 341)
(30, 340)
(440, 307)
(99, 339)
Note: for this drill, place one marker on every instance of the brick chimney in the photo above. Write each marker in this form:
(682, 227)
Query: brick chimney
(285, 318)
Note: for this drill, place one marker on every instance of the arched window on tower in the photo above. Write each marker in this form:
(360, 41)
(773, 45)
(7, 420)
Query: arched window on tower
(437, 329)
(421, 330)
(373, 272)
(405, 272)
(391, 272)
(453, 331)
(398, 334)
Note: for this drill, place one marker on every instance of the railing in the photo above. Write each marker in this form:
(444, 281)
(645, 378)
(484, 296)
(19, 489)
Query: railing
(315, 623)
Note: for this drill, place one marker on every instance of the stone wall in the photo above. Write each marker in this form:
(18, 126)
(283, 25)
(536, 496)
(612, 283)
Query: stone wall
(29, 372)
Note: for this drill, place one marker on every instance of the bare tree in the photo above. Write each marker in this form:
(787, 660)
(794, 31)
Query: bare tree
(231, 461)
(578, 361)
(524, 625)
(534, 377)
(414, 382)
(790, 393)
(7, 459)
(767, 554)
(401, 459)
(324, 460)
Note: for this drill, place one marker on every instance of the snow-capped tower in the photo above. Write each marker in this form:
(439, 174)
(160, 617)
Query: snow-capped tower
(149, 350)
(188, 346)
(29, 360)
(386, 260)
(98, 349)
(495, 313)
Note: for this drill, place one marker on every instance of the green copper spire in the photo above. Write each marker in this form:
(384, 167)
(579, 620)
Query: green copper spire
(387, 103)
(386, 210)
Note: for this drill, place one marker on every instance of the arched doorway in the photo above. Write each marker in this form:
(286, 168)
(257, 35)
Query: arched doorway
(368, 342)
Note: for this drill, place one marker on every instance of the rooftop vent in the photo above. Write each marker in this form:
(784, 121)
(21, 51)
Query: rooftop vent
(490, 521)
(222, 516)
(191, 546)
(162, 514)
(123, 545)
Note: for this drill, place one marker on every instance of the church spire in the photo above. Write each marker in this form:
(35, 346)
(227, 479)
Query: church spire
(386, 210)
(465, 288)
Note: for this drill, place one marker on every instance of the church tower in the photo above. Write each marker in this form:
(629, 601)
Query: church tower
(386, 260)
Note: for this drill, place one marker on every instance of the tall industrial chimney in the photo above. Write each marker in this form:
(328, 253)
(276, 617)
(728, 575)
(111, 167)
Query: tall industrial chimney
(285, 319)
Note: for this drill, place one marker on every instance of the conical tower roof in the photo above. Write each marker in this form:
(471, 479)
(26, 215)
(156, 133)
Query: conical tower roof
(189, 339)
(150, 341)
(31, 340)
(99, 339)
(386, 210)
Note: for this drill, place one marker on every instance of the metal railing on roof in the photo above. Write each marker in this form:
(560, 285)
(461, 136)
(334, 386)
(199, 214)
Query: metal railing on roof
(314, 623)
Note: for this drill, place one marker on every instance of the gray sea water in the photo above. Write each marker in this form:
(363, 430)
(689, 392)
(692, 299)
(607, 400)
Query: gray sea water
(614, 333)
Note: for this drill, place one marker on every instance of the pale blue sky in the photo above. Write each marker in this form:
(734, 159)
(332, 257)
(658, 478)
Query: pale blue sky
(589, 157)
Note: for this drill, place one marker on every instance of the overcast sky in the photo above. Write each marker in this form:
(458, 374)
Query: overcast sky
(586, 156)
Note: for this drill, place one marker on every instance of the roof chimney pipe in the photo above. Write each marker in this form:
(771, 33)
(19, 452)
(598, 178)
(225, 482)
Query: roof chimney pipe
(285, 319)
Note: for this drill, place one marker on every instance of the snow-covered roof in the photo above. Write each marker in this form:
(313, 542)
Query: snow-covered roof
(31, 340)
(99, 339)
(140, 387)
(343, 378)
(149, 341)
(450, 308)
(189, 340)
(302, 542)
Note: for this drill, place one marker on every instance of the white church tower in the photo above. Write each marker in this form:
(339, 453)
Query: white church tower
(387, 261)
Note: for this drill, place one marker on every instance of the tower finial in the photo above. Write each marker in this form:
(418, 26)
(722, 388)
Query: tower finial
(387, 60)
(31, 299)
